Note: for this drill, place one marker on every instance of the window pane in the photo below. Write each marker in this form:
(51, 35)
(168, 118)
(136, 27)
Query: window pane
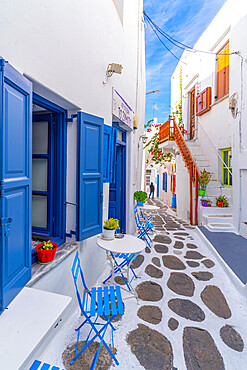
(40, 170)
(230, 177)
(225, 177)
(119, 135)
(225, 157)
(39, 209)
(40, 137)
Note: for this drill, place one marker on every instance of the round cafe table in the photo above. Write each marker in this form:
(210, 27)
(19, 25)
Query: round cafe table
(149, 207)
(128, 244)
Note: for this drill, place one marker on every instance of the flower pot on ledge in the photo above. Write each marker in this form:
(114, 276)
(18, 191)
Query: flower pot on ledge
(46, 256)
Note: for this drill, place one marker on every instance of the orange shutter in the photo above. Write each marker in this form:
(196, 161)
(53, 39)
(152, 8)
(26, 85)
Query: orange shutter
(203, 101)
(223, 72)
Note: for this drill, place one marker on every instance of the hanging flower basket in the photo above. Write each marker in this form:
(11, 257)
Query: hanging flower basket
(201, 192)
(46, 256)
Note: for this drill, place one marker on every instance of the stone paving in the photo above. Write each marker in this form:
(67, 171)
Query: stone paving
(189, 314)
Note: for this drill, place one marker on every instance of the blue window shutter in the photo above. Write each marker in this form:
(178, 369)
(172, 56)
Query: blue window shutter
(165, 182)
(90, 175)
(15, 182)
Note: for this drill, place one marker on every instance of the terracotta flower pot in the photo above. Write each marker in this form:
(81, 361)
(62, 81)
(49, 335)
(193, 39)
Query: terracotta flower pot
(46, 256)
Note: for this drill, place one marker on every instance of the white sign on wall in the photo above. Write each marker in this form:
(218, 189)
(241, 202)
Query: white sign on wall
(122, 110)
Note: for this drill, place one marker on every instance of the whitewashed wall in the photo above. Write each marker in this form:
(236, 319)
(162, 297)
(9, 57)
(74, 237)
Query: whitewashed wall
(238, 85)
(216, 129)
(66, 47)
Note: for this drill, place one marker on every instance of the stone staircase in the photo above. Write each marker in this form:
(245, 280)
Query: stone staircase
(214, 218)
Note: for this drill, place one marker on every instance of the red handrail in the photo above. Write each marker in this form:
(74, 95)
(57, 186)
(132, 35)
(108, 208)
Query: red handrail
(170, 131)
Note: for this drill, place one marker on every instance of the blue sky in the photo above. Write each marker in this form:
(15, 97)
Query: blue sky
(185, 21)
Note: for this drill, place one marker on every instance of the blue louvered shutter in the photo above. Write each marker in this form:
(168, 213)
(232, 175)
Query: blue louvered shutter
(15, 182)
(90, 175)
(165, 182)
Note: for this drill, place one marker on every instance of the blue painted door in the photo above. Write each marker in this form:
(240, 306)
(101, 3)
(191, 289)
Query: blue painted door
(158, 185)
(117, 196)
(89, 175)
(15, 182)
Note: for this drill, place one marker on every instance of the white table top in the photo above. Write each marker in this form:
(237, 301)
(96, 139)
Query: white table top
(128, 244)
(149, 207)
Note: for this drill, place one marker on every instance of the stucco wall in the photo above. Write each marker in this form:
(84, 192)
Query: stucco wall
(65, 46)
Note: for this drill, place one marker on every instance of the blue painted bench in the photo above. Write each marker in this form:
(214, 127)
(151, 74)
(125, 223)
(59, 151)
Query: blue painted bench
(38, 365)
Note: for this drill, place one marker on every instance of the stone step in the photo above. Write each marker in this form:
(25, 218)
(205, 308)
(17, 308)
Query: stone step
(221, 227)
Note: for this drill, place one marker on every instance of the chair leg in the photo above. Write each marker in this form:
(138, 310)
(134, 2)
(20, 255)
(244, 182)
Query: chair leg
(98, 334)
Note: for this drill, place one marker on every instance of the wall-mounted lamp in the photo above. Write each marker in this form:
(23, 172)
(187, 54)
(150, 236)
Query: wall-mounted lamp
(144, 138)
(114, 68)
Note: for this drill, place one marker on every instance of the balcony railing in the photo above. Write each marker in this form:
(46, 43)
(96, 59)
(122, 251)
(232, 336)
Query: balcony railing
(170, 131)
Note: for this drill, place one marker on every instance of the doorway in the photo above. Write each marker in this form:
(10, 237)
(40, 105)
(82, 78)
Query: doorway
(192, 114)
(117, 193)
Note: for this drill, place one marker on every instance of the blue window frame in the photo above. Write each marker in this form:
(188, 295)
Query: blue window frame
(109, 155)
(60, 164)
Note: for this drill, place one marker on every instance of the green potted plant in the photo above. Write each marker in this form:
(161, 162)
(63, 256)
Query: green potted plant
(221, 201)
(140, 197)
(46, 252)
(203, 181)
(206, 202)
(110, 227)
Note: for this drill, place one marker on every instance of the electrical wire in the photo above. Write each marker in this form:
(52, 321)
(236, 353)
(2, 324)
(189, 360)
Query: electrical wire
(164, 43)
(178, 44)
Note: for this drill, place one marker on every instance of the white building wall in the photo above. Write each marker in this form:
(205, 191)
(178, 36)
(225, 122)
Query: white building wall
(66, 46)
(216, 129)
(238, 85)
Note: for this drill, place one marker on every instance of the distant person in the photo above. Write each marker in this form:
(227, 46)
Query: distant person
(151, 190)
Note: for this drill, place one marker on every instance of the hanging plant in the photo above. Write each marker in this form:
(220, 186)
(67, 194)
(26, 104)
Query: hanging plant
(157, 155)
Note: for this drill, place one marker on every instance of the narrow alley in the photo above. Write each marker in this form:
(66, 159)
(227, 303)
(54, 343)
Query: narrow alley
(189, 314)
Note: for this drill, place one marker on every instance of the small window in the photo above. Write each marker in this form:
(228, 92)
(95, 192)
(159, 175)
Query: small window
(223, 72)
(226, 176)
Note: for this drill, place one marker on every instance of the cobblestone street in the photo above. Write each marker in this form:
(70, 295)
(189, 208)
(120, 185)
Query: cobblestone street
(189, 314)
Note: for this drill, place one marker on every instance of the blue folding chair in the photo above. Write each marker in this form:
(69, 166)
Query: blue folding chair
(121, 267)
(146, 218)
(106, 302)
(143, 228)
(38, 365)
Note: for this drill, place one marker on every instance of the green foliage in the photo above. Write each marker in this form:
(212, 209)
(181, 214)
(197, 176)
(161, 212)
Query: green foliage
(141, 196)
(46, 246)
(157, 155)
(111, 224)
(204, 179)
(221, 200)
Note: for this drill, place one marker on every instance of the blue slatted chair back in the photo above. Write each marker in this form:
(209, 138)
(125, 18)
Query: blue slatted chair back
(38, 365)
(76, 270)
